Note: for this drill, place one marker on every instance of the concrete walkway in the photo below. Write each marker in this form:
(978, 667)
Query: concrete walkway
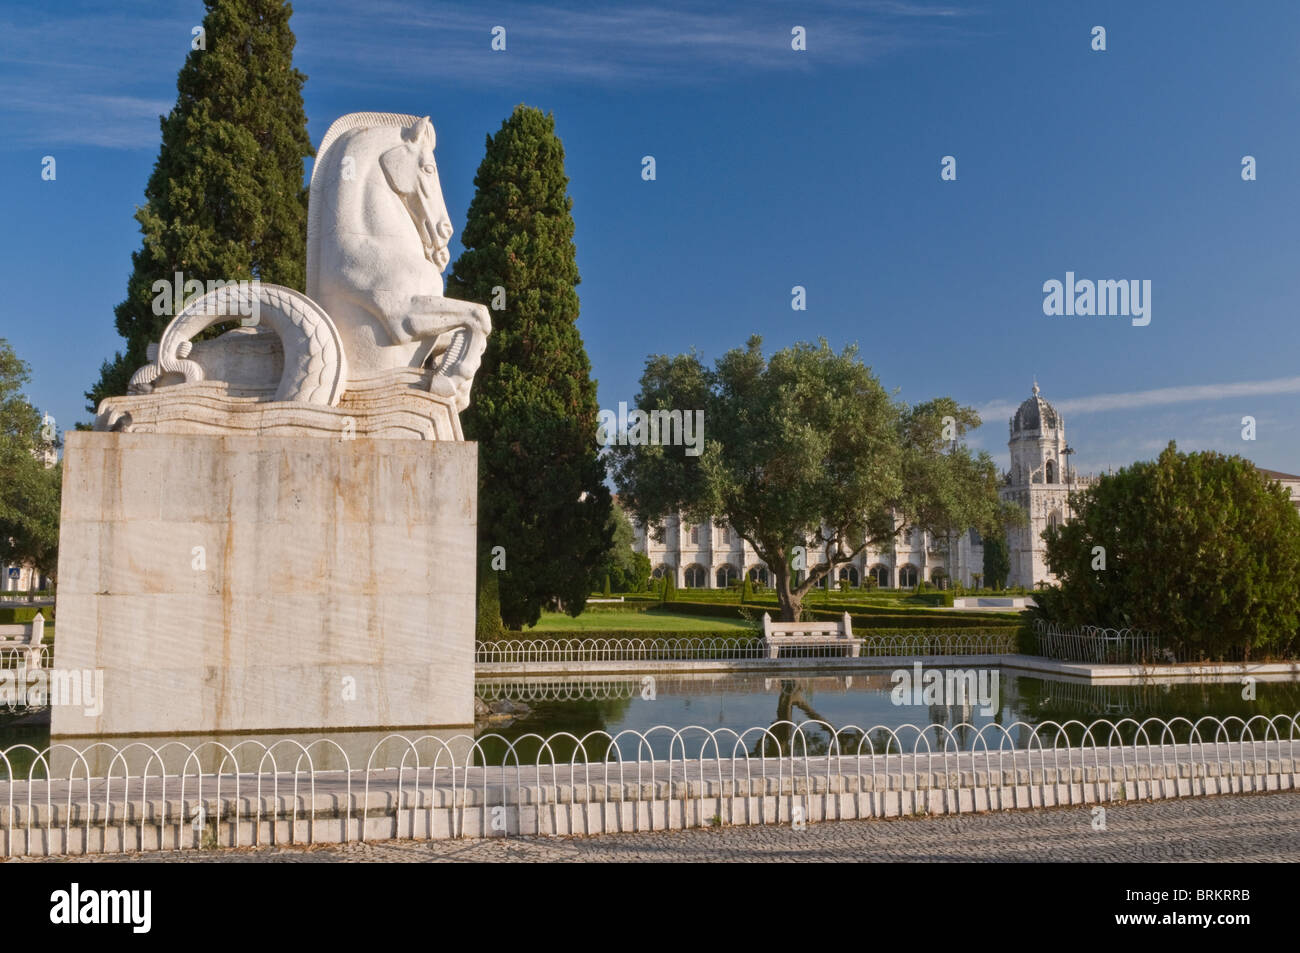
(1249, 828)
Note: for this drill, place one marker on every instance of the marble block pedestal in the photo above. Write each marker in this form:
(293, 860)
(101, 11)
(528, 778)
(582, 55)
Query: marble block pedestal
(261, 584)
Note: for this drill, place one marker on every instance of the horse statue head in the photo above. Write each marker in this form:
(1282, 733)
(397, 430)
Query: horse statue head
(412, 173)
(377, 235)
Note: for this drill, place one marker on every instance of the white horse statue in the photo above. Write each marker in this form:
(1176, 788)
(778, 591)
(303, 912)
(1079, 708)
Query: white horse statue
(377, 236)
(374, 311)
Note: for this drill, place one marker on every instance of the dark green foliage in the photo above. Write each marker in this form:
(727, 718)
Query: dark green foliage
(670, 588)
(867, 617)
(624, 569)
(997, 564)
(488, 615)
(542, 493)
(226, 199)
(1199, 549)
(21, 615)
(29, 491)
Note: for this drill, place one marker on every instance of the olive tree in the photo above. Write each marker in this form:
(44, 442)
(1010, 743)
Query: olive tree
(806, 457)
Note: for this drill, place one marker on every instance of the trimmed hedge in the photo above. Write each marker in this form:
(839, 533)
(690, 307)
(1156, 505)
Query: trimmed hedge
(587, 635)
(21, 615)
(631, 634)
(867, 617)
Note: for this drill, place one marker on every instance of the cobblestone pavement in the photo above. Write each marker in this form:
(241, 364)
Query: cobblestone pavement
(1243, 828)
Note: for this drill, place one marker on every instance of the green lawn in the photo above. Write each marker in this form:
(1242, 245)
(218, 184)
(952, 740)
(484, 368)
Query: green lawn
(652, 620)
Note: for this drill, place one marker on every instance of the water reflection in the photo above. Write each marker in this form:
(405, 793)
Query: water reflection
(856, 713)
(752, 715)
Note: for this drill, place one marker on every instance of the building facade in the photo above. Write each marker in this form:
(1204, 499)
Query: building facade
(709, 556)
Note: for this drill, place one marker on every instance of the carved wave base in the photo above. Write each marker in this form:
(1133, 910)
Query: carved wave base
(397, 407)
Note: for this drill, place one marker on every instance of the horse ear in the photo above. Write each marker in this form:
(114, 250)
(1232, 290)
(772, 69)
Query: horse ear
(420, 132)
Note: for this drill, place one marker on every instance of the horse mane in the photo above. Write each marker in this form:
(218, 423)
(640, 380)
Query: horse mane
(337, 128)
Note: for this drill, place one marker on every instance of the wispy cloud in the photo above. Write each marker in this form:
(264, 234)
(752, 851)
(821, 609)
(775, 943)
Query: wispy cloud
(1160, 396)
(101, 74)
(664, 43)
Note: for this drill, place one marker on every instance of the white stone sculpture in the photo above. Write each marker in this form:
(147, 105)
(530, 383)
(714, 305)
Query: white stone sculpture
(374, 347)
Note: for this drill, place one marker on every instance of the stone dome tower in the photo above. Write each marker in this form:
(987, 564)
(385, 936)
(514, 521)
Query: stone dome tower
(1038, 483)
(1037, 441)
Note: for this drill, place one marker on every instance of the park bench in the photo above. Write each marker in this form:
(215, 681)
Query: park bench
(24, 636)
(779, 635)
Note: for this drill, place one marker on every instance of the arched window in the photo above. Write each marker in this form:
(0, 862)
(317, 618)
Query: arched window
(939, 577)
(907, 576)
(662, 570)
(758, 574)
(881, 572)
(694, 531)
(1051, 472)
(849, 573)
(696, 577)
(726, 575)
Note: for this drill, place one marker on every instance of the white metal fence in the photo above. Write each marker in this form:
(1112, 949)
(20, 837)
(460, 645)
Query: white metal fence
(631, 648)
(24, 683)
(1092, 643)
(178, 796)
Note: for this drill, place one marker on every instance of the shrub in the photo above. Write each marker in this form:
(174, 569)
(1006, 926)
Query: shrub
(1199, 549)
(21, 615)
(488, 625)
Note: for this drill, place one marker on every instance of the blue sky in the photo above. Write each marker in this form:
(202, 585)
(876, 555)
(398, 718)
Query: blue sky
(775, 168)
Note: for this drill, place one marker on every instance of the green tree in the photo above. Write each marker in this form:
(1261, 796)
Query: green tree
(542, 493)
(488, 625)
(226, 199)
(623, 568)
(806, 449)
(997, 564)
(1199, 548)
(29, 491)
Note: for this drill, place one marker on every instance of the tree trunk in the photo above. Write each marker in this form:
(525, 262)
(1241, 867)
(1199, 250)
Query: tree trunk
(791, 602)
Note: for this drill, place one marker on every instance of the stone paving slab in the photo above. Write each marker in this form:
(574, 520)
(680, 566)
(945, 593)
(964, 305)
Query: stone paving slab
(1255, 828)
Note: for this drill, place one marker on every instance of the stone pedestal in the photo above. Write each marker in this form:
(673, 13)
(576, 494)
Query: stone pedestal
(266, 584)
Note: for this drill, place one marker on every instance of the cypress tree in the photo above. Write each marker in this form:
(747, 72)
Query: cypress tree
(226, 199)
(542, 490)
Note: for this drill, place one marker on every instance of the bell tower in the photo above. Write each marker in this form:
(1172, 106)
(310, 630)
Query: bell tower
(1038, 484)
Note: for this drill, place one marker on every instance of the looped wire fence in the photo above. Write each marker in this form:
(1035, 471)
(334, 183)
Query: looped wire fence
(692, 648)
(180, 796)
(1094, 643)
